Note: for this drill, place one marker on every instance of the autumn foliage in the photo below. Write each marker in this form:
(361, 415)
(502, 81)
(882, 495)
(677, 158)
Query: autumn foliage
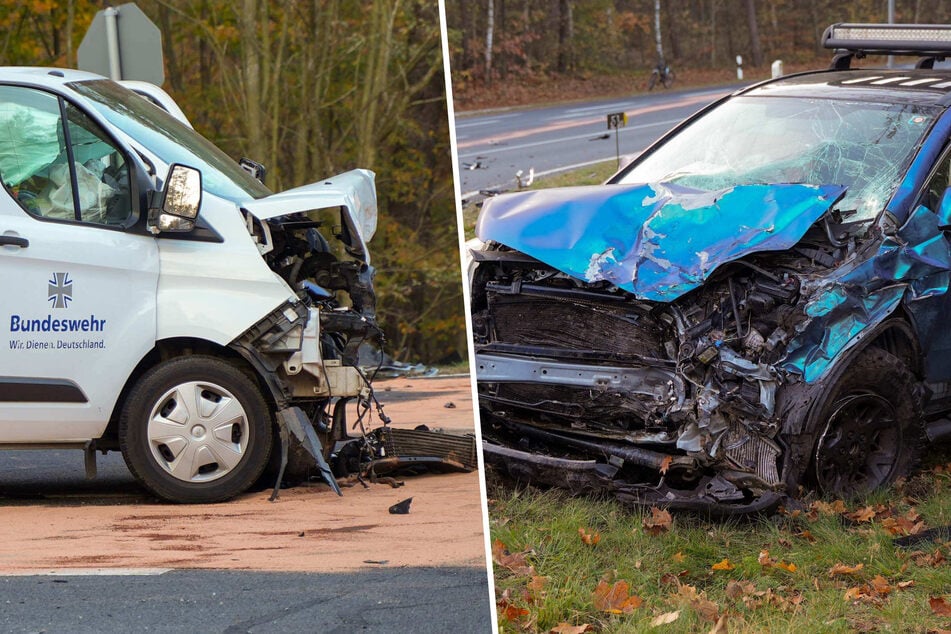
(312, 89)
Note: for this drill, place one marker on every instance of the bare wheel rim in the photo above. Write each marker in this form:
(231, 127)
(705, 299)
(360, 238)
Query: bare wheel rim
(860, 446)
(198, 432)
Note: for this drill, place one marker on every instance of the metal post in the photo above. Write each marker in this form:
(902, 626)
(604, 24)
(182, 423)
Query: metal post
(112, 42)
(891, 20)
(617, 146)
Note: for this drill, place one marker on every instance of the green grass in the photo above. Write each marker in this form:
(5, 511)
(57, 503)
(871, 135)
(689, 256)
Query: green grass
(672, 571)
(591, 175)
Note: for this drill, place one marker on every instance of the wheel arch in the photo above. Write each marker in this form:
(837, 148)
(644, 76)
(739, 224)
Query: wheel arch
(172, 348)
(800, 404)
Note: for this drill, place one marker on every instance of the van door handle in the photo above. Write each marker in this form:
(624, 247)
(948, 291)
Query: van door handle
(14, 241)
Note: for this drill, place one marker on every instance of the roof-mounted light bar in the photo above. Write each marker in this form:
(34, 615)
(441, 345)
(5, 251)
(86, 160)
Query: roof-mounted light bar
(925, 40)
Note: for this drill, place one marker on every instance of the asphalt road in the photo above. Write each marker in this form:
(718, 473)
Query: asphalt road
(494, 145)
(400, 600)
(443, 599)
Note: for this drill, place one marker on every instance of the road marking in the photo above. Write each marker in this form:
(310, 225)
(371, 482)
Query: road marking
(554, 170)
(472, 124)
(86, 572)
(576, 137)
(518, 134)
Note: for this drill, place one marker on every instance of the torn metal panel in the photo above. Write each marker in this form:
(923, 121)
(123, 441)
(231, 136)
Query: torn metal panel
(658, 241)
(911, 265)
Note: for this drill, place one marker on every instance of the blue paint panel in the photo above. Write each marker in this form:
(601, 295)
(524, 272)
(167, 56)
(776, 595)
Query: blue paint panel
(658, 241)
(914, 264)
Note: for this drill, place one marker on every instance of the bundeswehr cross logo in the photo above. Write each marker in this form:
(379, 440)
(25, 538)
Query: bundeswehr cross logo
(60, 290)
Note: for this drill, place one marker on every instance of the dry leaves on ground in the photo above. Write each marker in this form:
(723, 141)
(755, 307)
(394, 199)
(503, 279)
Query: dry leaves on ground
(768, 562)
(659, 522)
(515, 563)
(940, 606)
(591, 539)
(616, 598)
(723, 565)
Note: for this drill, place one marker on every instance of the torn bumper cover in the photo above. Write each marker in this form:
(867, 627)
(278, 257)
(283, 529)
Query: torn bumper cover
(656, 364)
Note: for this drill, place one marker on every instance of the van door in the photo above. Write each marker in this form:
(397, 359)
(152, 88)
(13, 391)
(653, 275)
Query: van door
(78, 309)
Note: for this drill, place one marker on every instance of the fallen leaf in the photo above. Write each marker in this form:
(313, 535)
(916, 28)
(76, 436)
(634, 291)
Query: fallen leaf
(591, 539)
(940, 606)
(509, 610)
(720, 626)
(905, 584)
(665, 464)
(768, 562)
(567, 628)
(736, 589)
(908, 524)
(880, 585)
(806, 534)
(842, 569)
(856, 593)
(659, 522)
(685, 593)
(723, 565)
(708, 610)
(665, 618)
(866, 514)
(514, 562)
(615, 599)
(678, 557)
(537, 584)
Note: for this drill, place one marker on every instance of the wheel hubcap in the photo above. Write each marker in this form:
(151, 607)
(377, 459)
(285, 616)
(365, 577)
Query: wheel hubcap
(198, 431)
(859, 448)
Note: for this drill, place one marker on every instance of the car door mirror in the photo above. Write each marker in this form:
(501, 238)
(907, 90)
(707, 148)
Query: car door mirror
(175, 208)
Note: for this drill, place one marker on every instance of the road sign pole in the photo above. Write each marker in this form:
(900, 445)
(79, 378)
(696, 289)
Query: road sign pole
(617, 146)
(616, 121)
(111, 15)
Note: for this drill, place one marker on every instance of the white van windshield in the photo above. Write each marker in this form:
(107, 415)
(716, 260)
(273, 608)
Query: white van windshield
(169, 139)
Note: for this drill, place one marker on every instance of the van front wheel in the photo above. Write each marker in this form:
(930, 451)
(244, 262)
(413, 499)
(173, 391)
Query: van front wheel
(195, 430)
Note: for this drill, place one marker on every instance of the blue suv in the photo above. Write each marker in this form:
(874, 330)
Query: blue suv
(756, 304)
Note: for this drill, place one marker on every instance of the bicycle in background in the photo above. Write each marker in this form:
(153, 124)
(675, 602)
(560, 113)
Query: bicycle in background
(661, 73)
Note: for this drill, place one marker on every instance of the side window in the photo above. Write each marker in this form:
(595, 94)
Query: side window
(71, 172)
(102, 175)
(939, 182)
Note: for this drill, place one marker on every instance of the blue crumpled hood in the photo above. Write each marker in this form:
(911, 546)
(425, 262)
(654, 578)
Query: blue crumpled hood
(658, 241)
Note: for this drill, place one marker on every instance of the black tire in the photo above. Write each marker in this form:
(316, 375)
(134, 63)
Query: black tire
(652, 80)
(195, 430)
(870, 430)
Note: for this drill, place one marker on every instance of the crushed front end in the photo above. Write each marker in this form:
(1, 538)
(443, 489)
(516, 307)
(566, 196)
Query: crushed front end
(315, 238)
(652, 369)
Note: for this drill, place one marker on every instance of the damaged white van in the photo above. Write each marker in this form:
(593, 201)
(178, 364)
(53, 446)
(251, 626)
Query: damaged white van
(161, 301)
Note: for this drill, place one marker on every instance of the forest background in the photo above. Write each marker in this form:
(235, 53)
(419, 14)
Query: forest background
(517, 52)
(311, 89)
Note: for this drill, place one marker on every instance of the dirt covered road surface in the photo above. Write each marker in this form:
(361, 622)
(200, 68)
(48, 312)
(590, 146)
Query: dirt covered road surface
(83, 526)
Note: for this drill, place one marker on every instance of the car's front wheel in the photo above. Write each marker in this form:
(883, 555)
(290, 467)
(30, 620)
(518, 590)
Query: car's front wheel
(870, 428)
(195, 429)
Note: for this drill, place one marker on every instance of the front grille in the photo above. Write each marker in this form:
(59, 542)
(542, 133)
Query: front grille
(574, 325)
(417, 443)
(757, 454)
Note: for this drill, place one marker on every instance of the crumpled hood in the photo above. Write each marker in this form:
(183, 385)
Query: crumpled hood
(658, 241)
(353, 190)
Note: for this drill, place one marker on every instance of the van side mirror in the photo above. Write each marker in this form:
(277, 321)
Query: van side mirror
(175, 208)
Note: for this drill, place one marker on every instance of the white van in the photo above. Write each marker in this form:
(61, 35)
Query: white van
(159, 300)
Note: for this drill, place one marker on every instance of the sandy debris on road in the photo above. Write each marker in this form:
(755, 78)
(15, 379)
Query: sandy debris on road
(306, 529)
